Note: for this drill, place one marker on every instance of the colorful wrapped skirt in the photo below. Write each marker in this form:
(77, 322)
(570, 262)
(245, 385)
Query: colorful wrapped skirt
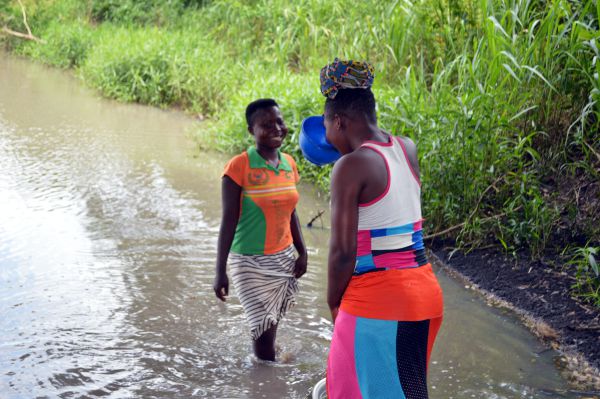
(384, 334)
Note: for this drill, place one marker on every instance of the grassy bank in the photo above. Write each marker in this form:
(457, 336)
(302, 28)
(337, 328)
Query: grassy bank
(501, 96)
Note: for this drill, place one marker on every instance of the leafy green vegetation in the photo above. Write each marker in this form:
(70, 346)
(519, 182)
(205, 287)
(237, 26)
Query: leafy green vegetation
(587, 285)
(501, 96)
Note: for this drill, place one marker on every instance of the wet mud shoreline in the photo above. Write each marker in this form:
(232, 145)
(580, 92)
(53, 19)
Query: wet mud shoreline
(539, 294)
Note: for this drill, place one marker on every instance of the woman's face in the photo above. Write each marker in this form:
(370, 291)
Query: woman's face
(268, 128)
(333, 133)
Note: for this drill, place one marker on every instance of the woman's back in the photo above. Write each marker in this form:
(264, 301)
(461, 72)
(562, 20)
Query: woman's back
(400, 203)
(389, 227)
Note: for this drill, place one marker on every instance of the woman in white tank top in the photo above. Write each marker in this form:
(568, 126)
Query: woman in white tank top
(384, 298)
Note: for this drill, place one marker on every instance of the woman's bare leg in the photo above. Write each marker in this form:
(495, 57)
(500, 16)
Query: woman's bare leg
(264, 346)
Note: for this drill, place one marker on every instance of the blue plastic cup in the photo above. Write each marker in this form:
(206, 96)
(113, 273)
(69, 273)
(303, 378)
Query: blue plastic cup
(314, 144)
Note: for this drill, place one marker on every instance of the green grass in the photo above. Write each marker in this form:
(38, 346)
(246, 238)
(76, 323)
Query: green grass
(154, 66)
(67, 49)
(584, 261)
(501, 96)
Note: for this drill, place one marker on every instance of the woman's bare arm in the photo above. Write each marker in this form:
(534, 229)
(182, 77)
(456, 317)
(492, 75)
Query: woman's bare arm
(230, 200)
(302, 260)
(345, 190)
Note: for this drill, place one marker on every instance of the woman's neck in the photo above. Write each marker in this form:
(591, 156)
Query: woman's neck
(368, 132)
(270, 155)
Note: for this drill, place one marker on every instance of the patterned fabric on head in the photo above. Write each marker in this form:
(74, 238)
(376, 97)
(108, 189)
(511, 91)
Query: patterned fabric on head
(346, 75)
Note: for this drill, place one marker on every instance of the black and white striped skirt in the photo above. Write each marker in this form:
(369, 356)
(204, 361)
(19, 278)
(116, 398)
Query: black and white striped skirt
(266, 287)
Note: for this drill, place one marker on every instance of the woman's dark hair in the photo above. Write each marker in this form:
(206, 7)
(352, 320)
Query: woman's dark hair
(352, 101)
(257, 105)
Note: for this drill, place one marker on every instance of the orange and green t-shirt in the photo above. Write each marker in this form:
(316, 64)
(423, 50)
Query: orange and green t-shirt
(267, 202)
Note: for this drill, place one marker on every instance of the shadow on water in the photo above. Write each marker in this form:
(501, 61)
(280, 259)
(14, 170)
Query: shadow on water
(108, 229)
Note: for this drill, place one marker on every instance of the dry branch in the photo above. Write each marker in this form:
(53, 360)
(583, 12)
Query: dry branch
(309, 224)
(28, 35)
(458, 226)
(20, 35)
(592, 149)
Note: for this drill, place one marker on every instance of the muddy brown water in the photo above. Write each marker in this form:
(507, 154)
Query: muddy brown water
(108, 224)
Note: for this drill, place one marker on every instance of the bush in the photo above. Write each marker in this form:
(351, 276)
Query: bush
(66, 45)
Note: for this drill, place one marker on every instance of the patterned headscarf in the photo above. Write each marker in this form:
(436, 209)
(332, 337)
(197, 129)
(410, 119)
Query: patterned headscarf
(346, 75)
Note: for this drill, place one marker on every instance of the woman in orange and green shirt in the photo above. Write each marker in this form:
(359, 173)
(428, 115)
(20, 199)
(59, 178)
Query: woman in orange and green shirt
(260, 228)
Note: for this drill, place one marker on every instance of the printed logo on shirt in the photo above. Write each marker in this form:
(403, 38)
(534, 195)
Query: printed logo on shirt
(257, 177)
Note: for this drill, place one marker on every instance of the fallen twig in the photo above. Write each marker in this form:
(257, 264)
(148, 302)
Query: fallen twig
(28, 35)
(458, 226)
(584, 328)
(493, 185)
(309, 224)
(20, 35)
(592, 149)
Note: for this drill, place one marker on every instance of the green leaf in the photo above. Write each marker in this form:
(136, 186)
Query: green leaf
(503, 243)
(522, 112)
(509, 69)
(498, 26)
(593, 263)
(538, 74)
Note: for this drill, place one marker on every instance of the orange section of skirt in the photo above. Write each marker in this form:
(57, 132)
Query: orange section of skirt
(406, 295)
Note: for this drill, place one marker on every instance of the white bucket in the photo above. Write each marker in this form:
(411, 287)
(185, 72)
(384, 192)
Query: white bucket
(320, 390)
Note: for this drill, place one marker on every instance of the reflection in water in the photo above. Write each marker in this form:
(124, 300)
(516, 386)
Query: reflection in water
(108, 228)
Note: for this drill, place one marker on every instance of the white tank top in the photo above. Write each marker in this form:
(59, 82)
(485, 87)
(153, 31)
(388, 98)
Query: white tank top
(390, 226)
(400, 203)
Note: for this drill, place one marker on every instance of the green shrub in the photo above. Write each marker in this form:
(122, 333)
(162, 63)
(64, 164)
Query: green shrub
(154, 66)
(587, 285)
(65, 45)
(140, 12)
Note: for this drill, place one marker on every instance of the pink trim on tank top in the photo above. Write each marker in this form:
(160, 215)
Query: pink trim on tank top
(389, 180)
(408, 161)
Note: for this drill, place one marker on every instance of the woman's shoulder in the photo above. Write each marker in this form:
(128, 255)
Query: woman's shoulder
(237, 166)
(288, 157)
(357, 162)
(407, 142)
(410, 151)
(239, 158)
